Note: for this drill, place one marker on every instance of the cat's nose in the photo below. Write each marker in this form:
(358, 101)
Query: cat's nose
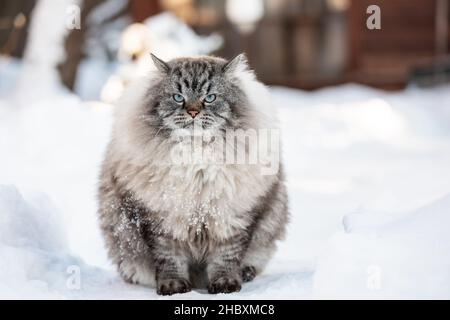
(193, 113)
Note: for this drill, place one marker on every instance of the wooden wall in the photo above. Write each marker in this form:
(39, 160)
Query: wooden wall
(407, 39)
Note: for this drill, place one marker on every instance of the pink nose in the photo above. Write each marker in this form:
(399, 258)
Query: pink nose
(193, 113)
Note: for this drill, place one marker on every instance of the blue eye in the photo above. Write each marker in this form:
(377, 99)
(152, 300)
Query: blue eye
(178, 98)
(210, 98)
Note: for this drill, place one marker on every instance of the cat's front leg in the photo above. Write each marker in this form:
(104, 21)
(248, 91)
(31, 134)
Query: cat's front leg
(223, 269)
(171, 267)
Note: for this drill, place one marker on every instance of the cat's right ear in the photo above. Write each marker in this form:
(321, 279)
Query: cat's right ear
(162, 66)
(237, 63)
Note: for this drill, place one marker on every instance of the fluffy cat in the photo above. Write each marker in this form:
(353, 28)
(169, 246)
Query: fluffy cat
(191, 224)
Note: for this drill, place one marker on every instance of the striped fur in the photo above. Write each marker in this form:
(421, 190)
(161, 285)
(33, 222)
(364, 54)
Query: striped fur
(177, 226)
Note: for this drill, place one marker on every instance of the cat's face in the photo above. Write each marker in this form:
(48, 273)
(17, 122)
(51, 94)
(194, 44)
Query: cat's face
(197, 94)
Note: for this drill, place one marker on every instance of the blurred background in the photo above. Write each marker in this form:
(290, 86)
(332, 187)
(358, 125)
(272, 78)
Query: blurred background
(306, 44)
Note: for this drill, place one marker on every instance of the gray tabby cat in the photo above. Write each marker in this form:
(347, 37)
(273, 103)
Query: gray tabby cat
(177, 226)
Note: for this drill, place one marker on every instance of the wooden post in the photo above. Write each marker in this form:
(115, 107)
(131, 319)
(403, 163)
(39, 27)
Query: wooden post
(441, 27)
(74, 45)
(15, 17)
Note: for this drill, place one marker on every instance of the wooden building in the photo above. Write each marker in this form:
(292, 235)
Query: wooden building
(299, 43)
(313, 43)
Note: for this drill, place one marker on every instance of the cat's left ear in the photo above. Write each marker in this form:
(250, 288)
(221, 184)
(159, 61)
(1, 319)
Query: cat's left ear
(162, 66)
(237, 63)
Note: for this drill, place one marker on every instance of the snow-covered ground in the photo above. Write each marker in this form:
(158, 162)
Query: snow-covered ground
(368, 176)
(369, 183)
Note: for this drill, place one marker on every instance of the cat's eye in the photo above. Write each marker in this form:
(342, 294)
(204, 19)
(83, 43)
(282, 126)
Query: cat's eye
(178, 98)
(210, 98)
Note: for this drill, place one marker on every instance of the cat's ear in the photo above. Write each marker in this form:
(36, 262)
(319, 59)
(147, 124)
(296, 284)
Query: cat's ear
(237, 63)
(160, 64)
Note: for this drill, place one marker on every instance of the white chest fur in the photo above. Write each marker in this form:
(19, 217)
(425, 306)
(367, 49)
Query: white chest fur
(198, 198)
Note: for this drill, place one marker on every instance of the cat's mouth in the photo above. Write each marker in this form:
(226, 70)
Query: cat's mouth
(199, 123)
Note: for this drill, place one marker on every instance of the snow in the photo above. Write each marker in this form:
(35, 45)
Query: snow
(43, 51)
(36, 262)
(370, 204)
(406, 258)
(367, 172)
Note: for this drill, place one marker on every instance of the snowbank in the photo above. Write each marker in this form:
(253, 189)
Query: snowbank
(36, 262)
(336, 166)
(32, 246)
(407, 258)
(55, 145)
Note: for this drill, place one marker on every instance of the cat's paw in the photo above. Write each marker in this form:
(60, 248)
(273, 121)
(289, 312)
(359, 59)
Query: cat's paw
(224, 284)
(167, 287)
(248, 273)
